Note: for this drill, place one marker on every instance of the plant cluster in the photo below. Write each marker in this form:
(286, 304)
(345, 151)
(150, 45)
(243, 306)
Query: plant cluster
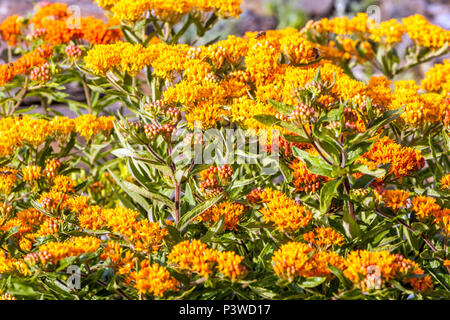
(141, 191)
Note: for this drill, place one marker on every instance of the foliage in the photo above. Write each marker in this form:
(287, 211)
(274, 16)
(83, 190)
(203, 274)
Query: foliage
(346, 195)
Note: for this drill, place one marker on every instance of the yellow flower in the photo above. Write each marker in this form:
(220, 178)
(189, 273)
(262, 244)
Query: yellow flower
(73, 247)
(31, 173)
(88, 125)
(8, 178)
(63, 184)
(424, 33)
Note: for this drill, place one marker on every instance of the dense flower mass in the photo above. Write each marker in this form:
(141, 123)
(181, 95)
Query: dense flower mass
(403, 160)
(281, 164)
(18, 131)
(284, 213)
(195, 256)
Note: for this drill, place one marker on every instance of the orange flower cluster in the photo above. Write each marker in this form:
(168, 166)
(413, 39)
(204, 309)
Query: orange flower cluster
(31, 173)
(56, 251)
(403, 160)
(142, 234)
(437, 79)
(8, 177)
(419, 108)
(17, 131)
(195, 256)
(296, 259)
(232, 211)
(10, 265)
(122, 261)
(424, 33)
(395, 199)
(284, 213)
(214, 179)
(171, 10)
(424, 206)
(376, 268)
(31, 224)
(58, 26)
(445, 181)
(154, 279)
(25, 64)
(323, 237)
(11, 29)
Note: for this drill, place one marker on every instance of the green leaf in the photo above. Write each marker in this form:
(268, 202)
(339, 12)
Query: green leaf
(133, 195)
(312, 282)
(328, 192)
(219, 226)
(379, 172)
(194, 213)
(340, 275)
(363, 182)
(350, 225)
(266, 119)
(314, 164)
(282, 108)
(155, 196)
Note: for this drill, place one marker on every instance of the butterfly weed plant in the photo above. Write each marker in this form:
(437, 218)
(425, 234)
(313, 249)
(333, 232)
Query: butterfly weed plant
(159, 188)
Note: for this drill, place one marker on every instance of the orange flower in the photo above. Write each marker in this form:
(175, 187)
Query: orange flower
(296, 259)
(233, 212)
(285, 213)
(395, 199)
(96, 31)
(445, 181)
(323, 237)
(424, 206)
(10, 29)
(304, 180)
(403, 160)
(154, 279)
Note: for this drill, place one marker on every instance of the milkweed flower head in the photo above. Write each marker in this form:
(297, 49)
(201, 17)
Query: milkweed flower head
(284, 213)
(304, 180)
(195, 256)
(385, 266)
(404, 160)
(232, 211)
(11, 29)
(154, 279)
(297, 259)
(324, 237)
(396, 199)
(75, 246)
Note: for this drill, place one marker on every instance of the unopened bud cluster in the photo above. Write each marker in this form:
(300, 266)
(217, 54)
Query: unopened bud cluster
(41, 74)
(73, 52)
(37, 33)
(166, 131)
(51, 168)
(215, 178)
(159, 108)
(254, 196)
